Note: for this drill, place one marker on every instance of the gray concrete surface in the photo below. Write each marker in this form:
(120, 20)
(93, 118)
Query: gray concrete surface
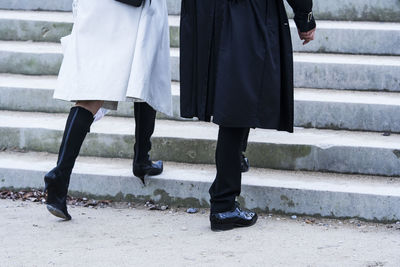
(351, 38)
(137, 237)
(30, 58)
(362, 10)
(311, 70)
(63, 5)
(194, 142)
(332, 37)
(332, 195)
(348, 110)
(327, 109)
(57, 5)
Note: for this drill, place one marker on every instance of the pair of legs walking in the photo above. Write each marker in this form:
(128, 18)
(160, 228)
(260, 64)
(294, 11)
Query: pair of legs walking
(232, 142)
(77, 126)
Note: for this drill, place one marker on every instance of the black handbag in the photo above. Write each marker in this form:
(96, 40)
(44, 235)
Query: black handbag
(135, 3)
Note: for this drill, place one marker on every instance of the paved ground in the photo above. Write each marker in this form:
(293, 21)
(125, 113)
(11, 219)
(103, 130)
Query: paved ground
(122, 236)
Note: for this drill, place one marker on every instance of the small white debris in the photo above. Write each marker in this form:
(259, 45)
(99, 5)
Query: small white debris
(294, 217)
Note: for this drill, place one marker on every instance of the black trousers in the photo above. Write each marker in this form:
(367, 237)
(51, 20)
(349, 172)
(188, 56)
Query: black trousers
(227, 184)
(245, 140)
(145, 117)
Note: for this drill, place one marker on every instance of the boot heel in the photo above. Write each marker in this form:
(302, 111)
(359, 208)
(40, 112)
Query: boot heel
(49, 180)
(140, 175)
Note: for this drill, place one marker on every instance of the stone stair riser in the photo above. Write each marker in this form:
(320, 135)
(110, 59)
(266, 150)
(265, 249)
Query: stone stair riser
(64, 5)
(30, 63)
(341, 159)
(38, 31)
(307, 74)
(355, 10)
(195, 194)
(328, 40)
(347, 116)
(309, 114)
(51, 5)
(347, 76)
(359, 10)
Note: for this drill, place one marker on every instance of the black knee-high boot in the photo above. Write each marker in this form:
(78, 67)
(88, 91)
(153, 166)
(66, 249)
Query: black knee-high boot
(145, 117)
(57, 180)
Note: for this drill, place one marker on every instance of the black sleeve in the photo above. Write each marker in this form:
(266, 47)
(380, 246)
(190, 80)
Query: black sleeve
(303, 16)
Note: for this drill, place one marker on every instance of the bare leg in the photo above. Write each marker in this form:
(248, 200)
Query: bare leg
(91, 105)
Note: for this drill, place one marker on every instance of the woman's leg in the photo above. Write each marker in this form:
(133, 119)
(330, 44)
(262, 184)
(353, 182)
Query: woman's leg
(91, 105)
(225, 211)
(57, 180)
(145, 117)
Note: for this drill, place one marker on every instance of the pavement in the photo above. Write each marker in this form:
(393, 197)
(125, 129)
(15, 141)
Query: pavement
(127, 234)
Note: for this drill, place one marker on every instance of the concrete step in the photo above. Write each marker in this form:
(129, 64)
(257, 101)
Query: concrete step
(329, 109)
(44, 26)
(30, 58)
(349, 110)
(63, 5)
(355, 10)
(325, 71)
(333, 36)
(194, 142)
(376, 38)
(35, 93)
(360, 10)
(332, 195)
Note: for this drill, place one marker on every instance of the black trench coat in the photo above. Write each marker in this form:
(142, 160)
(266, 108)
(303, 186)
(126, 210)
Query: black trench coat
(236, 61)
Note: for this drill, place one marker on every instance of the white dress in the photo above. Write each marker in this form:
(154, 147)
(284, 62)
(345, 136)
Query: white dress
(117, 53)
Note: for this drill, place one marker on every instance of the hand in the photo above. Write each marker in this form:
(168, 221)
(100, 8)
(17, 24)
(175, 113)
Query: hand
(307, 36)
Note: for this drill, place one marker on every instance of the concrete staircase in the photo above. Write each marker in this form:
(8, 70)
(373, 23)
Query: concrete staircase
(342, 161)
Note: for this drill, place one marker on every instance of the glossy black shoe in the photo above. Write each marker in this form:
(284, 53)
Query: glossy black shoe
(244, 164)
(229, 220)
(141, 170)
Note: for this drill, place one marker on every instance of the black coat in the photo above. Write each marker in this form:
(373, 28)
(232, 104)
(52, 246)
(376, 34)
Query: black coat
(237, 61)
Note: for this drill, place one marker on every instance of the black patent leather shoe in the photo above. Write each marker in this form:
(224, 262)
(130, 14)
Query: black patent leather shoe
(244, 164)
(140, 170)
(235, 218)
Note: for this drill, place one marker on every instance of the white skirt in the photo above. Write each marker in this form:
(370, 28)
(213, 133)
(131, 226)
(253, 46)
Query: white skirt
(117, 53)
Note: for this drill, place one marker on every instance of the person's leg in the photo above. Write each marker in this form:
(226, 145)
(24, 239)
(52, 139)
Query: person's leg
(225, 212)
(227, 184)
(145, 117)
(245, 164)
(91, 105)
(57, 180)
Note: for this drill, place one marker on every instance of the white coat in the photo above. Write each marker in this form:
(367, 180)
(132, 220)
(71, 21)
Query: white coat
(117, 53)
